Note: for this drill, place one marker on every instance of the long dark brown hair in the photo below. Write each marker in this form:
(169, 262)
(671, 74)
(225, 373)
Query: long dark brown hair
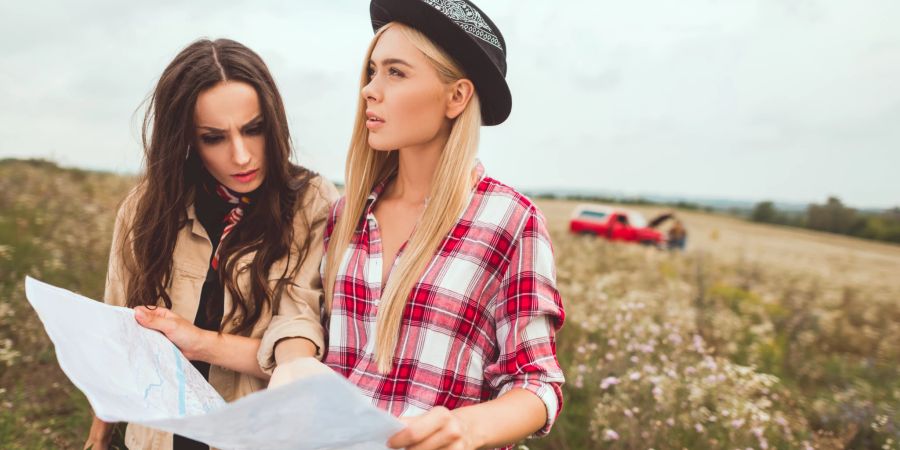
(173, 169)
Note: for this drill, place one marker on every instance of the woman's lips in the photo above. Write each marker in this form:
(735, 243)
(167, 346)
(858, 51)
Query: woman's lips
(246, 177)
(373, 122)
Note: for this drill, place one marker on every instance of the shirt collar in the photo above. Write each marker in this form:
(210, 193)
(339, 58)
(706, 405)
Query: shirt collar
(479, 171)
(377, 190)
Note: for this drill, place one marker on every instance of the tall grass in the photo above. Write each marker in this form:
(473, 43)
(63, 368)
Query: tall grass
(694, 350)
(690, 351)
(56, 225)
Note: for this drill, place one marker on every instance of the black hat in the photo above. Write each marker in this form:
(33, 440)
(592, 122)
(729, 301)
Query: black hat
(466, 34)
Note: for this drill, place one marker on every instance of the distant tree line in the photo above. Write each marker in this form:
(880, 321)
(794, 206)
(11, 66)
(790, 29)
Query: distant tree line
(834, 217)
(640, 201)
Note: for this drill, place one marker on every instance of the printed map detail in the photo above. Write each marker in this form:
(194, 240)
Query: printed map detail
(132, 374)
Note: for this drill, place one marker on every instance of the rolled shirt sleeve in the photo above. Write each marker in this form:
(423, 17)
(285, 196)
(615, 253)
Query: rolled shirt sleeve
(298, 306)
(528, 312)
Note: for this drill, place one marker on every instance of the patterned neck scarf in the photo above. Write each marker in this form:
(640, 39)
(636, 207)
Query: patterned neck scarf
(237, 202)
(232, 218)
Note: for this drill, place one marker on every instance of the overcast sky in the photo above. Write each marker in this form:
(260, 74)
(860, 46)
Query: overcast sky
(791, 100)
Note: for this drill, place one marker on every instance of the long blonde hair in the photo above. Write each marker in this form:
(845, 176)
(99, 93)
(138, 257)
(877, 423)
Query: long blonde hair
(449, 195)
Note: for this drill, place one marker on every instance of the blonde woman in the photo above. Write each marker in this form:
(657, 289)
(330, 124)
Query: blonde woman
(440, 280)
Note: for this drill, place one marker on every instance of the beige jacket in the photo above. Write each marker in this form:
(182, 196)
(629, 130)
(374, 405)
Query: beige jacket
(298, 313)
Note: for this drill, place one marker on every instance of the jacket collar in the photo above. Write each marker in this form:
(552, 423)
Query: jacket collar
(196, 226)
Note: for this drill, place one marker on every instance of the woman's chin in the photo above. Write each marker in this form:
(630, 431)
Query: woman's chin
(381, 146)
(243, 188)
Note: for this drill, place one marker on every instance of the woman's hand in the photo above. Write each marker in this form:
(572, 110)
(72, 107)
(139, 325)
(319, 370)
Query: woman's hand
(100, 435)
(185, 335)
(439, 428)
(296, 369)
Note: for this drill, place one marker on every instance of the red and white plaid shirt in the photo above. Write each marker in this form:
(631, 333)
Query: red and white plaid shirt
(481, 321)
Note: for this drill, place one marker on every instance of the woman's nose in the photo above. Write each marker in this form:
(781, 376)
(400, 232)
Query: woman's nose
(240, 155)
(371, 91)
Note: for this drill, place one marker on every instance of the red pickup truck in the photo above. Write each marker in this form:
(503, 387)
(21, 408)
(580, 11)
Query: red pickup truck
(615, 224)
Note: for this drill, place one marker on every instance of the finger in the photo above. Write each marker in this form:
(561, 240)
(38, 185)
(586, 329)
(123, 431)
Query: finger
(420, 428)
(156, 311)
(156, 319)
(447, 437)
(143, 316)
(304, 366)
(92, 445)
(275, 380)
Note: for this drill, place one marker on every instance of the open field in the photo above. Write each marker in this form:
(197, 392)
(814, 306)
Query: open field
(797, 329)
(755, 337)
(841, 259)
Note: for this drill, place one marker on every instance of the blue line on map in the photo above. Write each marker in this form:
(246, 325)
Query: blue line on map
(179, 372)
(151, 386)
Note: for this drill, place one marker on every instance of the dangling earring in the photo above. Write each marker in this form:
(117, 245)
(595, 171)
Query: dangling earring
(188, 153)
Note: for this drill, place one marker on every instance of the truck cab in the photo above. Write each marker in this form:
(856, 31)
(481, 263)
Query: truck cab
(615, 224)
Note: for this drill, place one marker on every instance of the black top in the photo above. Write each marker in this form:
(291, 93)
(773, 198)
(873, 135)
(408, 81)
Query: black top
(211, 212)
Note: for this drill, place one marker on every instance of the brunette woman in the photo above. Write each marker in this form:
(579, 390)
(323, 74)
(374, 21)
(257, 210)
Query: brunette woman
(219, 245)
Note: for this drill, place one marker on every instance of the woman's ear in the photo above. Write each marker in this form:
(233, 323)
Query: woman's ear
(461, 92)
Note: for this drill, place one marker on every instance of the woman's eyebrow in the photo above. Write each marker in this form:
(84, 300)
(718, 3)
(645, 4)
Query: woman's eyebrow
(252, 122)
(389, 61)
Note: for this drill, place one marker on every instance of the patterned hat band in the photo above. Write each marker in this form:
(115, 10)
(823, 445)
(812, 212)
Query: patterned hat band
(467, 18)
